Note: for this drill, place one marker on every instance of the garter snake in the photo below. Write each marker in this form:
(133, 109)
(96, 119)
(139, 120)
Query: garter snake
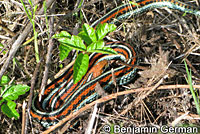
(62, 97)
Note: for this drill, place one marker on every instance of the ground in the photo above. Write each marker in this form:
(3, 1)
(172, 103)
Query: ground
(163, 39)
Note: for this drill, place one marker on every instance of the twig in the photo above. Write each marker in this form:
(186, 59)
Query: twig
(2, 25)
(64, 69)
(23, 117)
(91, 121)
(33, 84)
(32, 87)
(177, 120)
(48, 57)
(178, 46)
(19, 40)
(7, 30)
(110, 97)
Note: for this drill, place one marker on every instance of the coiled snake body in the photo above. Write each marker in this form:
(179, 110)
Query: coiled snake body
(62, 97)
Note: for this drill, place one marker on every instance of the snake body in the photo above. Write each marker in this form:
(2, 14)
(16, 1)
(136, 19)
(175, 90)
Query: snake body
(61, 97)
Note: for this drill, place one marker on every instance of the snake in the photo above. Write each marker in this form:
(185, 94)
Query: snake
(62, 96)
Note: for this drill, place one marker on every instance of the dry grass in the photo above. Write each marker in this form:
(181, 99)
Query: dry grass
(162, 38)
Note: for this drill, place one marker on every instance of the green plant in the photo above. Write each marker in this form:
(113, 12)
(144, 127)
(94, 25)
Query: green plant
(8, 93)
(89, 40)
(31, 16)
(46, 18)
(193, 91)
(1, 48)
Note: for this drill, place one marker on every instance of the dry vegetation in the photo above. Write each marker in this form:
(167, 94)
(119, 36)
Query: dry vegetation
(162, 38)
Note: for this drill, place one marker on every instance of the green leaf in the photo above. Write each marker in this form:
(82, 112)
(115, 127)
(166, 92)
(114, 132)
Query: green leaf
(1, 47)
(64, 51)
(90, 32)
(80, 67)
(30, 14)
(9, 110)
(35, 8)
(84, 37)
(75, 42)
(134, 3)
(61, 65)
(1, 101)
(45, 6)
(14, 91)
(103, 29)
(3, 87)
(30, 2)
(95, 45)
(100, 48)
(78, 42)
(4, 80)
(62, 34)
(26, 10)
(104, 50)
(184, 13)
